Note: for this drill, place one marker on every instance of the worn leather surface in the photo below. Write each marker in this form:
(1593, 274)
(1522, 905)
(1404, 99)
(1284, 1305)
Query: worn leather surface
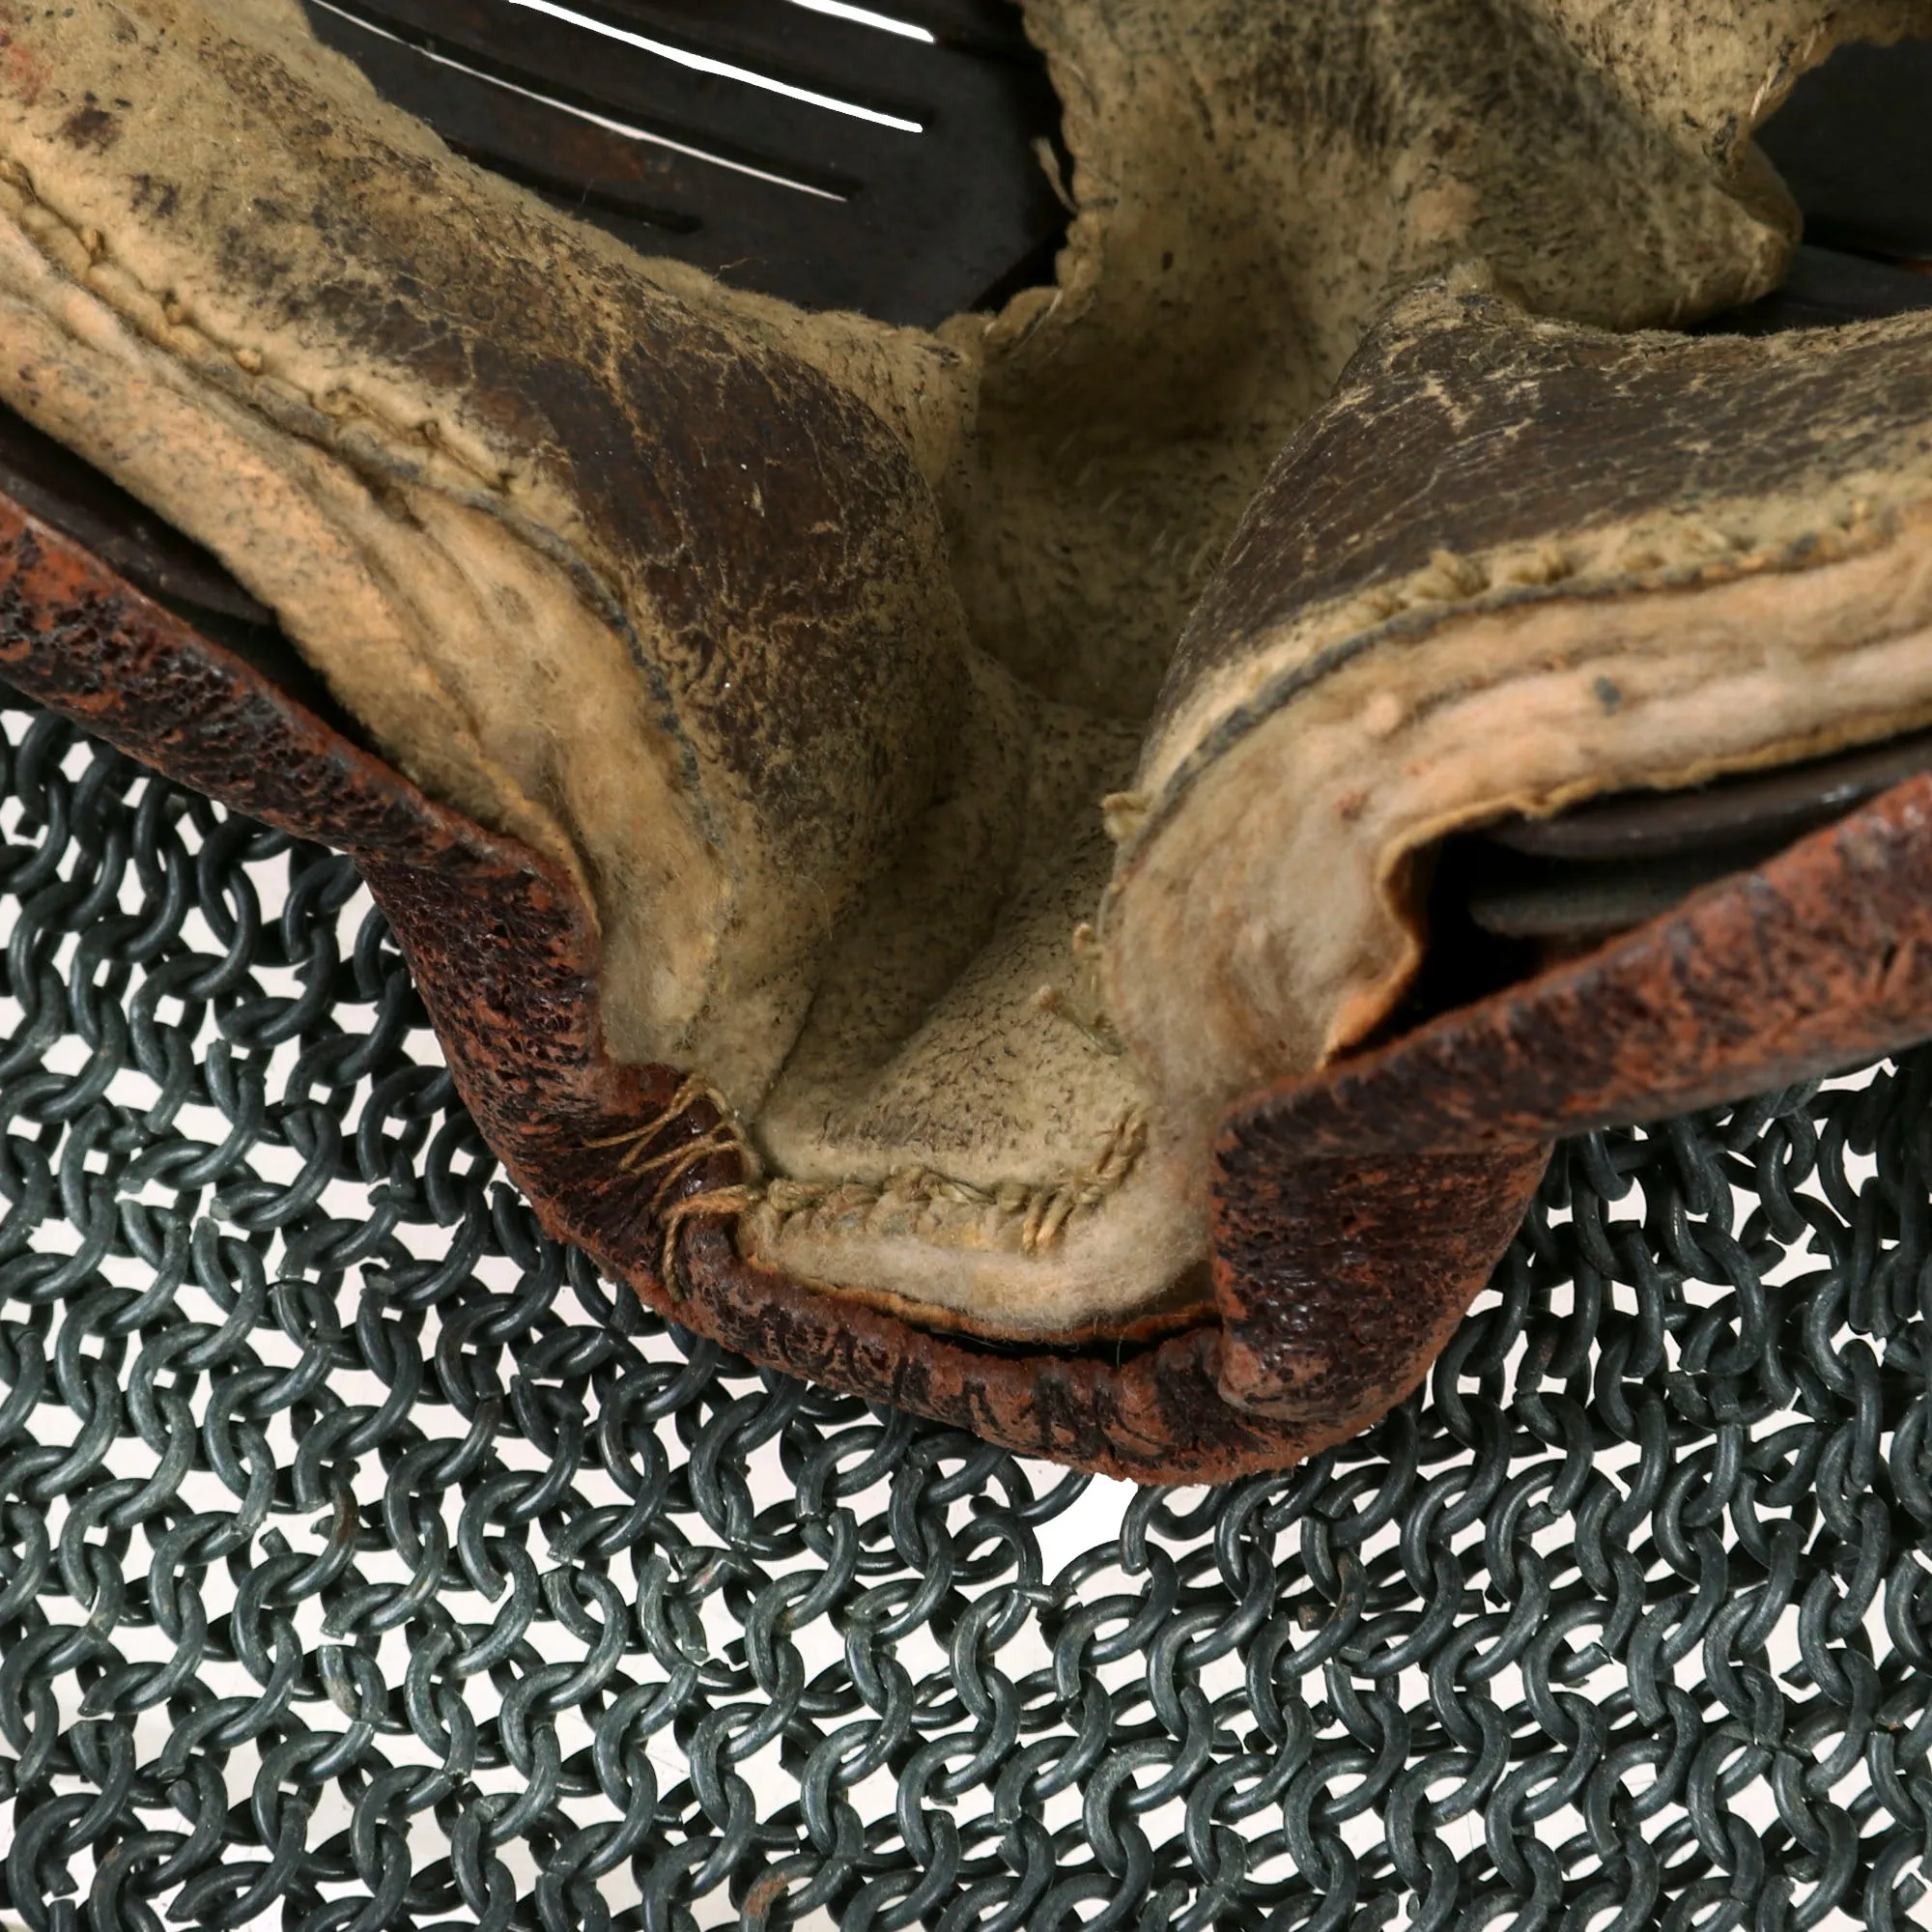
(1337, 1273)
(779, 528)
(506, 957)
(1336, 1195)
(1255, 181)
(1404, 1173)
(1464, 425)
(1813, 962)
(454, 421)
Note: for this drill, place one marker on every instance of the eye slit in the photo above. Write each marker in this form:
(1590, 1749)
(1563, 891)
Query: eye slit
(1853, 144)
(880, 158)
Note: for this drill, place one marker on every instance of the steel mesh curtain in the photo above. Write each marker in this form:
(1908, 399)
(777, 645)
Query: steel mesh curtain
(366, 1563)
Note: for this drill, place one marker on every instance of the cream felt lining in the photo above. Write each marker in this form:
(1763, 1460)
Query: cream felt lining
(845, 864)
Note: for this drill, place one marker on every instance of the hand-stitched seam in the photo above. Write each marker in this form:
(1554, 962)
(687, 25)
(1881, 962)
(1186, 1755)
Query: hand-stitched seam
(1041, 1213)
(167, 325)
(1677, 553)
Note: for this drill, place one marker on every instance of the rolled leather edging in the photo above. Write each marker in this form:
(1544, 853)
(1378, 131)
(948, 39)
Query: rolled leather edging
(1356, 1215)
(1366, 1190)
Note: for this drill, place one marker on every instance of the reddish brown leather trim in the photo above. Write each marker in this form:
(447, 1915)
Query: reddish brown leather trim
(1356, 1215)
(505, 956)
(1393, 1171)
(1336, 1275)
(1817, 959)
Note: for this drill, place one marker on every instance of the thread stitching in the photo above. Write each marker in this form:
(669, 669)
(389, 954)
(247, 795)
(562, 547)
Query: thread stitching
(170, 326)
(1042, 1212)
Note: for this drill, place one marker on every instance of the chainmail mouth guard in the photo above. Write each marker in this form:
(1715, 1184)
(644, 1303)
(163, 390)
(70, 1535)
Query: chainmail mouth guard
(365, 1561)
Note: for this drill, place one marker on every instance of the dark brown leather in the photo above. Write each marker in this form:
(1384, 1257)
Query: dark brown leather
(1357, 1214)
(1449, 403)
(1337, 1274)
(1443, 389)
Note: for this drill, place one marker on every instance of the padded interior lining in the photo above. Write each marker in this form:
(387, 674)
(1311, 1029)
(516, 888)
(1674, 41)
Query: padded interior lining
(846, 867)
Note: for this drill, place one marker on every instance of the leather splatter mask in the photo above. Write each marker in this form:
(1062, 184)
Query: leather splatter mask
(1042, 868)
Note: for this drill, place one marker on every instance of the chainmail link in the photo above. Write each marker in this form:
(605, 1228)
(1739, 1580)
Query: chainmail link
(366, 1563)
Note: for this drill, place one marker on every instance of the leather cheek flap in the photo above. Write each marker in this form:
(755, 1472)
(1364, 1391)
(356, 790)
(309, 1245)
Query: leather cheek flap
(1357, 1214)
